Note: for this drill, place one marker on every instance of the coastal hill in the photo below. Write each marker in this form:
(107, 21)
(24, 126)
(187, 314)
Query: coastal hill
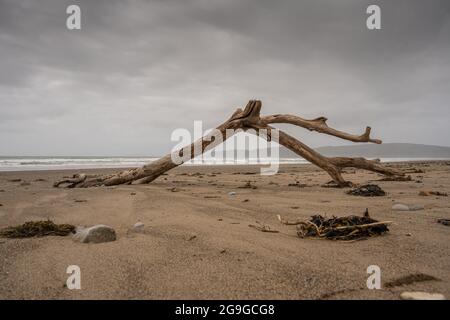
(387, 150)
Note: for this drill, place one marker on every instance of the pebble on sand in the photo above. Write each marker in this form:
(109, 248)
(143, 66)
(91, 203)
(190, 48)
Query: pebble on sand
(96, 234)
(232, 193)
(138, 227)
(419, 295)
(404, 207)
(400, 207)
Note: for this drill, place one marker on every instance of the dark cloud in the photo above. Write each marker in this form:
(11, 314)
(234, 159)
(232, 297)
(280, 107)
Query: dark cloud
(139, 69)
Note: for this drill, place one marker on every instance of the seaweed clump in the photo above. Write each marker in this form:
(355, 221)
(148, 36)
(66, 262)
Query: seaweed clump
(367, 190)
(37, 229)
(342, 228)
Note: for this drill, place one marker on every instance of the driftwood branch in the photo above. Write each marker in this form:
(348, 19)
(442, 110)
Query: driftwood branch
(319, 125)
(249, 118)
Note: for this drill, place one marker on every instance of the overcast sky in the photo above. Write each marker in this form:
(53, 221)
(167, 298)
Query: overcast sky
(137, 70)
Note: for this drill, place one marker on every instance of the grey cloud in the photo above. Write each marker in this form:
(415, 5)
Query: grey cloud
(139, 69)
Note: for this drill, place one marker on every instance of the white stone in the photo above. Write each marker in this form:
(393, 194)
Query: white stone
(96, 234)
(138, 227)
(232, 193)
(419, 295)
(400, 207)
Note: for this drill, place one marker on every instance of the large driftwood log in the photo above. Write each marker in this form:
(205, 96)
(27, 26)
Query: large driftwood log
(246, 119)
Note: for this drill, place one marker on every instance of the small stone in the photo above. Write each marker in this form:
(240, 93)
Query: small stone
(138, 227)
(133, 193)
(415, 207)
(408, 234)
(419, 295)
(231, 193)
(96, 234)
(400, 207)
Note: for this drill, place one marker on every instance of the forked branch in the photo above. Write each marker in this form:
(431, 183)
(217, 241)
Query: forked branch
(249, 118)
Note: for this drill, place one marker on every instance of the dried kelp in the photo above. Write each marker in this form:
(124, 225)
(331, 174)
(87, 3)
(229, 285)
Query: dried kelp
(396, 178)
(342, 228)
(367, 190)
(37, 229)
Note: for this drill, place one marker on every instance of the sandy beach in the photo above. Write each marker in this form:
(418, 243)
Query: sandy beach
(197, 242)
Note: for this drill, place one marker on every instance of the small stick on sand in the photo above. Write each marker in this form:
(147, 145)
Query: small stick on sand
(262, 227)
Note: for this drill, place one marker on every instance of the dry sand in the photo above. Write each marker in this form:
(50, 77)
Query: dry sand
(197, 243)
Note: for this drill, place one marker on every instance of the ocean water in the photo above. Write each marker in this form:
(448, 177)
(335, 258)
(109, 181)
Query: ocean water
(58, 163)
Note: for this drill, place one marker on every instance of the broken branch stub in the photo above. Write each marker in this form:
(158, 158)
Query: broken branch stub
(249, 118)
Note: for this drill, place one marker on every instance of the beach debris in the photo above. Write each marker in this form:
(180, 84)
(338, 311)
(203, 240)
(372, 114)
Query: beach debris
(37, 229)
(405, 207)
(248, 185)
(445, 222)
(15, 180)
(334, 184)
(342, 228)
(191, 237)
(396, 178)
(246, 200)
(439, 194)
(414, 170)
(211, 197)
(132, 193)
(80, 200)
(425, 193)
(95, 234)
(410, 279)
(297, 184)
(245, 173)
(231, 193)
(420, 295)
(138, 227)
(367, 190)
(262, 227)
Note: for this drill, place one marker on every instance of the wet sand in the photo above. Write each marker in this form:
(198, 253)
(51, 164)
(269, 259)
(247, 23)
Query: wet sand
(197, 243)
